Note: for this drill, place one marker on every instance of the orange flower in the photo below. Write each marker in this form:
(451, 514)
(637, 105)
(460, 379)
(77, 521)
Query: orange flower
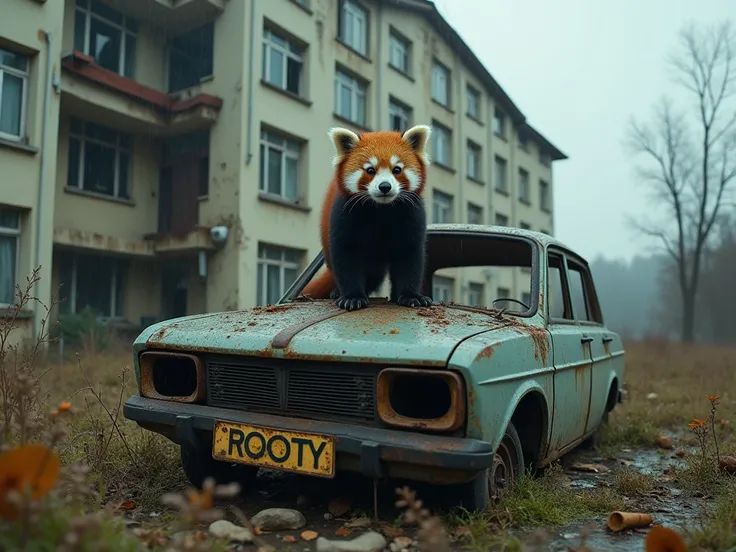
(696, 423)
(712, 398)
(65, 406)
(34, 466)
(203, 500)
(663, 539)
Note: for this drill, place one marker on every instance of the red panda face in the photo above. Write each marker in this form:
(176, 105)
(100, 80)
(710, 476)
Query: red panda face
(381, 165)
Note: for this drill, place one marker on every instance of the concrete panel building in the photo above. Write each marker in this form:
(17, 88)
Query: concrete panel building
(130, 128)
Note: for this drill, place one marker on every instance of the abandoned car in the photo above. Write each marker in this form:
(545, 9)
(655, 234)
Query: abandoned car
(508, 376)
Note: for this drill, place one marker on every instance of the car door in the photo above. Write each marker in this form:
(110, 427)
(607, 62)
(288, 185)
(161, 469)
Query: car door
(571, 357)
(587, 312)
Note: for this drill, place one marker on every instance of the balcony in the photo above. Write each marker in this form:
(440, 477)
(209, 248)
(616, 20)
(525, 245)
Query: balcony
(100, 95)
(175, 15)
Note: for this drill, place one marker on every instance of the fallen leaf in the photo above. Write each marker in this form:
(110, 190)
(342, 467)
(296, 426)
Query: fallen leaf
(391, 532)
(258, 531)
(309, 535)
(339, 506)
(343, 532)
(127, 505)
(289, 538)
(665, 442)
(593, 468)
(359, 522)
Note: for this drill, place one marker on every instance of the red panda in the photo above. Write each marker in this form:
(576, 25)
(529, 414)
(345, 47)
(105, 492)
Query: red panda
(373, 218)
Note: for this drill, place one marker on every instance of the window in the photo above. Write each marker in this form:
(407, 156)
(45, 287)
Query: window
(556, 287)
(474, 160)
(523, 143)
(9, 251)
(475, 214)
(441, 207)
(106, 35)
(544, 203)
(399, 50)
(524, 192)
(545, 159)
(441, 144)
(501, 220)
(578, 295)
(399, 115)
(440, 83)
(503, 293)
(282, 62)
(500, 177)
(524, 226)
(354, 26)
(543, 231)
(191, 57)
(93, 282)
(192, 145)
(499, 123)
(99, 159)
(278, 267)
(13, 87)
(279, 174)
(473, 103)
(350, 98)
(442, 288)
(526, 298)
(476, 295)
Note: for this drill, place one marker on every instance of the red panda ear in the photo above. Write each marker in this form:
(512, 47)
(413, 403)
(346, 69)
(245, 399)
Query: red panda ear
(417, 137)
(344, 141)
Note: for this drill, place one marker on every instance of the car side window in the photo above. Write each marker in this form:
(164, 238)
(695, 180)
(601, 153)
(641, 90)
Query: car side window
(578, 292)
(556, 288)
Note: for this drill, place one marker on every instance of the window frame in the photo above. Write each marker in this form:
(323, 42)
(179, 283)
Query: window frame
(119, 265)
(283, 148)
(263, 262)
(524, 192)
(544, 193)
(438, 197)
(83, 139)
(472, 91)
(396, 38)
(353, 8)
(439, 69)
(358, 88)
(171, 48)
(475, 207)
(448, 281)
(476, 150)
(496, 164)
(24, 75)
(495, 219)
(85, 7)
(269, 46)
(499, 123)
(397, 105)
(440, 130)
(481, 293)
(13, 233)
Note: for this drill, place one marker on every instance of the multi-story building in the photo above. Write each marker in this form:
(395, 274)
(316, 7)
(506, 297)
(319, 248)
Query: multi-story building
(128, 129)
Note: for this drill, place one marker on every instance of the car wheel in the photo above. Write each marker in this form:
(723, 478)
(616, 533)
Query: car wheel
(198, 465)
(490, 484)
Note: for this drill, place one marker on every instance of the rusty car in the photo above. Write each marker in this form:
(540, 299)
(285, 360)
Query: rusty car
(506, 377)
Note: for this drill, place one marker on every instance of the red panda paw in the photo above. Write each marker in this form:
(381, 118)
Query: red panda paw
(410, 300)
(352, 303)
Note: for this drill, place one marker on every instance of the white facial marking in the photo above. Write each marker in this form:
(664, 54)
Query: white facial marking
(352, 180)
(394, 160)
(413, 179)
(374, 161)
(384, 175)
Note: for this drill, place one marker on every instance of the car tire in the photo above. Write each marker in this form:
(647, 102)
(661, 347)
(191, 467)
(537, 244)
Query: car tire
(487, 486)
(198, 465)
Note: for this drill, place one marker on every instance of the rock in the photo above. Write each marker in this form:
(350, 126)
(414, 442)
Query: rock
(652, 396)
(279, 519)
(665, 442)
(223, 529)
(367, 542)
(728, 464)
(403, 542)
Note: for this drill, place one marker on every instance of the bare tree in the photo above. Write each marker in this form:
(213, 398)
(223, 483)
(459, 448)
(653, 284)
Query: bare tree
(689, 155)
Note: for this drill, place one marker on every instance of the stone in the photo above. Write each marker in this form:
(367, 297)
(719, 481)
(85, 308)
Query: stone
(279, 519)
(223, 529)
(367, 542)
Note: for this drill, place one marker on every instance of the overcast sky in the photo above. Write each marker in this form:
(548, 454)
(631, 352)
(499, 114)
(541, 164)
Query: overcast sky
(578, 69)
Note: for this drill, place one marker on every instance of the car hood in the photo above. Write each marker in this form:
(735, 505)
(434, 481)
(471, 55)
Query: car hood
(318, 330)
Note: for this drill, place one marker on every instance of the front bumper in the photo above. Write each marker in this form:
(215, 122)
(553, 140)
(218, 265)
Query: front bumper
(374, 452)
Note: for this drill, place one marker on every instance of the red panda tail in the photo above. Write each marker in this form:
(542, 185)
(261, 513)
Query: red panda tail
(320, 286)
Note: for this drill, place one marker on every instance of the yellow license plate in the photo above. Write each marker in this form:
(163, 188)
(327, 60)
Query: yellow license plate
(307, 453)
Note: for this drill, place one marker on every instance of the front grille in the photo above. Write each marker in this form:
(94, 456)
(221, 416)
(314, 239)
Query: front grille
(293, 388)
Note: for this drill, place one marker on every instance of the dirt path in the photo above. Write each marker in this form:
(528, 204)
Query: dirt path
(312, 498)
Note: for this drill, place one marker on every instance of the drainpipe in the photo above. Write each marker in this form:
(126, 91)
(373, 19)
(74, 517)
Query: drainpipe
(462, 168)
(40, 216)
(251, 69)
(379, 61)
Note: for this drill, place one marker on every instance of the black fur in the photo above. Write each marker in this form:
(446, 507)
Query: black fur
(368, 240)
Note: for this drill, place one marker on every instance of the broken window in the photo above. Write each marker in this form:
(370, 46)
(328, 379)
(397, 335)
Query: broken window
(191, 57)
(106, 35)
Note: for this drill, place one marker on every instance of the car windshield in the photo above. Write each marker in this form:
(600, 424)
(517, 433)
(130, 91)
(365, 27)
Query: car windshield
(473, 269)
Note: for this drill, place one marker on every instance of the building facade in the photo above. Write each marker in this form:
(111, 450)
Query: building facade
(130, 129)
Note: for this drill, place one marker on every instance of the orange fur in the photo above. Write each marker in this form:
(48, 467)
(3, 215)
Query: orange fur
(382, 145)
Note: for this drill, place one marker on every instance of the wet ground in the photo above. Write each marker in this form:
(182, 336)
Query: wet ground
(331, 505)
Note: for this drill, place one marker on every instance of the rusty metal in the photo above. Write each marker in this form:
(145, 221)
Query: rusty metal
(147, 361)
(452, 420)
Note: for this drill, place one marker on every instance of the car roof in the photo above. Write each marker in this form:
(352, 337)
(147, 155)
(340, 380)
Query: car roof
(540, 237)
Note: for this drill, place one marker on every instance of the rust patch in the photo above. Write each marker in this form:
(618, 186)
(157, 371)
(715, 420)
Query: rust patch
(486, 352)
(538, 335)
(148, 389)
(284, 337)
(607, 347)
(473, 419)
